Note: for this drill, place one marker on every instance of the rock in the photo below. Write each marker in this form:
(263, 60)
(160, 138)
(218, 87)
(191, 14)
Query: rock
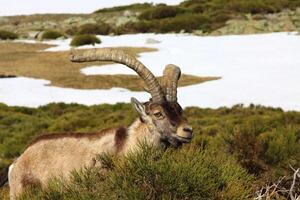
(152, 41)
(3, 20)
(39, 36)
(79, 21)
(128, 13)
(73, 20)
(198, 32)
(182, 31)
(33, 34)
(7, 76)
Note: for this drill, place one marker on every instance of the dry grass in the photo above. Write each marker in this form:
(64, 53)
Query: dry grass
(21, 59)
(4, 193)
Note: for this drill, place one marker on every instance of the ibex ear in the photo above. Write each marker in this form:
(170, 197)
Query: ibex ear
(139, 107)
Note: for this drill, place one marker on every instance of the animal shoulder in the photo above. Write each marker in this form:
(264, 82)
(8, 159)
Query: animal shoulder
(120, 133)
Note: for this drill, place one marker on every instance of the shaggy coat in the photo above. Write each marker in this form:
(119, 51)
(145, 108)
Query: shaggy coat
(63, 153)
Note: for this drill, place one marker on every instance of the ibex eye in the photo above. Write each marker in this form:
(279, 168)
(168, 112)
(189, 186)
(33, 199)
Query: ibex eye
(158, 115)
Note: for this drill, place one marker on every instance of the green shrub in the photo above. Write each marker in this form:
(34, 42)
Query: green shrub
(228, 141)
(159, 12)
(96, 29)
(80, 40)
(152, 174)
(71, 31)
(51, 35)
(136, 27)
(282, 145)
(187, 22)
(7, 35)
(135, 7)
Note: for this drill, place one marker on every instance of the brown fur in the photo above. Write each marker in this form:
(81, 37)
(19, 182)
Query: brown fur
(28, 180)
(120, 138)
(54, 136)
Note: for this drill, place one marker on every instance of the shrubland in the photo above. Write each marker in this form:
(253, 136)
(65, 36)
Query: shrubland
(235, 152)
(85, 39)
(205, 15)
(195, 16)
(7, 35)
(96, 29)
(51, 35)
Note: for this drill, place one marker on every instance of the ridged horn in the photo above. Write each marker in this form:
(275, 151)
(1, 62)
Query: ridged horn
(169, 81)
(119, 56)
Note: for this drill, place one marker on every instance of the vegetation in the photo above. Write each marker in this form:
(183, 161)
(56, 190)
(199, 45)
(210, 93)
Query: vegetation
(235, 151)
(67, 74)
(185, 174)
(205, 15)
(96, 29)
(159, 12)
(51, 35)
(136, 7)
(85, 39)
(200, 16)
(7, 35)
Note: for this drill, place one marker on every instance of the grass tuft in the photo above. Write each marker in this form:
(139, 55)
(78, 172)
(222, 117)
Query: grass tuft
(85, 39)
(7, 35)
(51, 35)
(96, 29)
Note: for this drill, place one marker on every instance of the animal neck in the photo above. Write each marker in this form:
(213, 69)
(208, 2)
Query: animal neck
(140, 133)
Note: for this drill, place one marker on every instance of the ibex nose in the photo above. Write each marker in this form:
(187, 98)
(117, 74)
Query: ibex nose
(186, 133)
(188, 129)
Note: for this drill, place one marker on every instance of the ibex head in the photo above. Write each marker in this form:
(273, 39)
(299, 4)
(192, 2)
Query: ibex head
(162, 113)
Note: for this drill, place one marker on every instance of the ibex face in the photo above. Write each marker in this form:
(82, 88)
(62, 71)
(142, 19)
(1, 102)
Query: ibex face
(162, 113)
(166, 119)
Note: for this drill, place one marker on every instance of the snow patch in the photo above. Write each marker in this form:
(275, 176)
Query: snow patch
(261, 69)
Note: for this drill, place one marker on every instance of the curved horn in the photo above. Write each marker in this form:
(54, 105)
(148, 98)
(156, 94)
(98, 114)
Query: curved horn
(170, 80)
(119, 56)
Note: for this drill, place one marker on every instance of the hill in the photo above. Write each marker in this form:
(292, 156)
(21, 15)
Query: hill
(194, 16)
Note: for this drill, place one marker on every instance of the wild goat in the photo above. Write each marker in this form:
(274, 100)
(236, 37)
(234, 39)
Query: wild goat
(161, 123)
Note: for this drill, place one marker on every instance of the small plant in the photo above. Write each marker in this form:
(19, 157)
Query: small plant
(159, 12)
(137, 27)
(186, 22)
(135, 6)
(84, 39)
(7, 35)
(97, 29)
(51, 35)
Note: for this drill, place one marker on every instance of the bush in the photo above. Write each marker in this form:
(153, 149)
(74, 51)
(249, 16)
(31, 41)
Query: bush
(187, 22)
(71, 31)
(152, 174)
(136, 27)
(96, 29)
(159, 12)
(7, 35)
(80, 40)
(229, 143)
(135, 7)
(51, 35)
(282, 145)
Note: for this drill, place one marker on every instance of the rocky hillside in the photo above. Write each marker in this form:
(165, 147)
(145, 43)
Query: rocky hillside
(200, 17)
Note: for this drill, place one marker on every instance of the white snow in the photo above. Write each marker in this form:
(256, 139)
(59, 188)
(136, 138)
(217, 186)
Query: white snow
(260, 69)
(30, 92)
(113, 69)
